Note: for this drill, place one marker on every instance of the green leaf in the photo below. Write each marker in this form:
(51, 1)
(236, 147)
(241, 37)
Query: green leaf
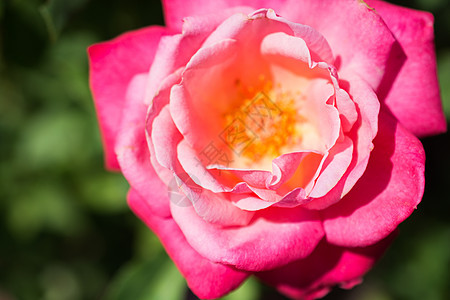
(147, 280)
(54, 139)
(43, 205)
(424, 271)
(444, 79)
(147, 244)
(249, 290)
(59, 282)
(55, 14)
(2, 8)
(61, 78)
(431, 4)
(49, 23)
(104, 192)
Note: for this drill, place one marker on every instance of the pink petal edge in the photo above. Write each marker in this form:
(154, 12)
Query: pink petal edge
(412, 93)
(112, 65)
(208, 280)
(327, 266)
(388, 192)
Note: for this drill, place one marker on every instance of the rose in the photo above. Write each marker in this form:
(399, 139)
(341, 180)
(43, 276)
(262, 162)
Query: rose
(327, 164)
(280, 143)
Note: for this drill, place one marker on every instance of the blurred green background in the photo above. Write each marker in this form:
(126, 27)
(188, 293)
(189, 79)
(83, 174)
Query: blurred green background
(65, 229)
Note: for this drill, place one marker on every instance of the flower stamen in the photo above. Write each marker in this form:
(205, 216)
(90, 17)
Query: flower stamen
(266, 122)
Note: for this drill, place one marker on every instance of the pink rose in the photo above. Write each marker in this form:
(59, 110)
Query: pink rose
(271, 137)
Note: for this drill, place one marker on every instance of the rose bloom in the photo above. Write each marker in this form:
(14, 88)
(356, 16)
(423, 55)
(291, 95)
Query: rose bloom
(272, 138)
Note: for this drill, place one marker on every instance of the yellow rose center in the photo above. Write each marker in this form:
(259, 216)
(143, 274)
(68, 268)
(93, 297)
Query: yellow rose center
(265, 122)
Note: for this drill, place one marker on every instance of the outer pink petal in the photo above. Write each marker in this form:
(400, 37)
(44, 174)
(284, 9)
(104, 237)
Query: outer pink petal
(132, 152)
(412, 94)
(112, 65)
(275, 237)
(207, 279)
(329, 265)
(389, 191)
(358, 37)
(176, 10)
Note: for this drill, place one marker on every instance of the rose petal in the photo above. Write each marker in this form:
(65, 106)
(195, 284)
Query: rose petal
(175, 51)
(158, 103)
(165, 138)
(190, 161)
(318, 46)
(412, 94)
(255, 178)
(334, 167)
(288, 54)
(214, 208)
(388, 192)
(205, 278)
(360, 40)
(282, 44)
(287, 165)
(132, 152)
(249, 202)
(283, 168)
(211, 61)
(176, 10)
(112, 65)
(362, 135)
(276, 236)
(329, 265)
